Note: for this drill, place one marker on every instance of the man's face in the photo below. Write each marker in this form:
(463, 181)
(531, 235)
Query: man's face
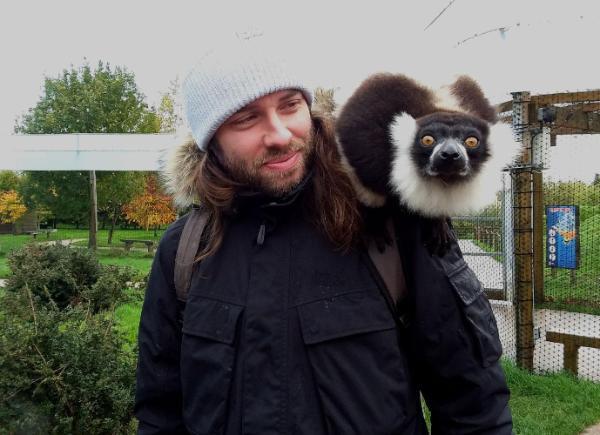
(267, 143)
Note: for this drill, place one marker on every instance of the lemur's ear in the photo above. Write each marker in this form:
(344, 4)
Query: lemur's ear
(471, 99)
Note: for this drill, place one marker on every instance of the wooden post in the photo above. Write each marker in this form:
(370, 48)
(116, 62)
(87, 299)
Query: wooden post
(522, 176)
(92, 242)
(538, 237)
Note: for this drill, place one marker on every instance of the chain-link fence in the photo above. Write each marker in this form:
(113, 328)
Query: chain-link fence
(537, 249)
(567, 291)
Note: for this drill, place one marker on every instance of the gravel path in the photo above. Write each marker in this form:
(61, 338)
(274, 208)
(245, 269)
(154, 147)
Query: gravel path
(62, 242)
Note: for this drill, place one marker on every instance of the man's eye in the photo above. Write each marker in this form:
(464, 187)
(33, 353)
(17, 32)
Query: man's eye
(244, 119)
(292, 104)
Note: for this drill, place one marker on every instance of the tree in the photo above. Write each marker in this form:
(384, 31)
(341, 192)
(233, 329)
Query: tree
(83, 100)
(64, 194)
(115, 189)
(11, 207)
(170, 111)
(152, 208)
(571, 192)
(9, 180)
(90, 101)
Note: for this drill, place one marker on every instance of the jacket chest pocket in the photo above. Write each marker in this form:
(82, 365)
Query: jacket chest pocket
(207, 359)
(360, 372)
(478, 313)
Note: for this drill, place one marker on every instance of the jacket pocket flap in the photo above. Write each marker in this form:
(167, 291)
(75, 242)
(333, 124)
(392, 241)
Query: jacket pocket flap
(465, 283)
(478, 313)
(211, 319)
(340, 316)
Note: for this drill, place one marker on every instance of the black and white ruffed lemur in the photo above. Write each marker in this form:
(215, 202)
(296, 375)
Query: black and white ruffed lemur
(440, 152)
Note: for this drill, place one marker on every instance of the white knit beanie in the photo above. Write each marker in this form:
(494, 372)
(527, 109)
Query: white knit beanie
(229, 77)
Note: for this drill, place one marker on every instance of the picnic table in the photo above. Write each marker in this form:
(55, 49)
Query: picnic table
(129, 243)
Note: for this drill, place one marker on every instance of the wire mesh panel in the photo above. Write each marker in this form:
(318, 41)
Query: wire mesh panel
(537, 250)
(564, 136)
(486, 241)
(482, 239)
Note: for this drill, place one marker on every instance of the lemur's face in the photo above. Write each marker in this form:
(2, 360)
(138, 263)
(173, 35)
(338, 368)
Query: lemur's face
(450, 146)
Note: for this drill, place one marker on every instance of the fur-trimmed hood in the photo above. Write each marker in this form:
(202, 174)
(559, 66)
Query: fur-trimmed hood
(179, 168)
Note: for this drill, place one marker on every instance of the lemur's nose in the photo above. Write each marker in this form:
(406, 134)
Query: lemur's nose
(449, 151)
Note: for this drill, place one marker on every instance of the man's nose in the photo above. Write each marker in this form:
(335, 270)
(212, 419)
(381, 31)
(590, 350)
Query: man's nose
(277, 133)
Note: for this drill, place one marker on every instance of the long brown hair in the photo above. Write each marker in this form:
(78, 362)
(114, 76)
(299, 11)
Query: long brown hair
(331, 203)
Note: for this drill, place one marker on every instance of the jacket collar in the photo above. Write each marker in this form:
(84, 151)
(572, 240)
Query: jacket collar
(256, 199)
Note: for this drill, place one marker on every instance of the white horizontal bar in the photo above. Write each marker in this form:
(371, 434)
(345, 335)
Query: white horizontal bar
(78, 152)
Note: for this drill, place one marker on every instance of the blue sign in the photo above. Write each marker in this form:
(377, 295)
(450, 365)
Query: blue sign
(562, 236)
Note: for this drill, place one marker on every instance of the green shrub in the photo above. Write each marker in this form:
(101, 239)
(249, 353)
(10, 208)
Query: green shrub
(65, 276)
(107, 291)
(62, 370)
(52, 272)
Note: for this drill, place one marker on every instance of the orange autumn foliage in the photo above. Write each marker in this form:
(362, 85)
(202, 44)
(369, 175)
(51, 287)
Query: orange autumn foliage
(152, 208)
(11, 207)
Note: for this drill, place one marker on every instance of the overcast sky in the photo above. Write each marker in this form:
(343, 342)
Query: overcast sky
(544, 47)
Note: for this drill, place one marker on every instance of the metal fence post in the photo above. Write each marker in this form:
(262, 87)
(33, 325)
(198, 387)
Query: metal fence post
(538, 237)
(508, 238)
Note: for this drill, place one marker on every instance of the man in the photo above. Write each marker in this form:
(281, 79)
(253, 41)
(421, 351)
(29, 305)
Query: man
(288, 327)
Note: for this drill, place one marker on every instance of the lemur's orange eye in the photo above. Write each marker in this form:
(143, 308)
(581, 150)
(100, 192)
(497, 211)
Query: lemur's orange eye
(471, 142)
(427, 140)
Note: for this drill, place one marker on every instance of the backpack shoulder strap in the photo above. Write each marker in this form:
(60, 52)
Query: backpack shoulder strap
(389, 265)
(187, 250)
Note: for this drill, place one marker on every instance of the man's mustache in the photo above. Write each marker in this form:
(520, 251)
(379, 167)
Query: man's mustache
(271, 154)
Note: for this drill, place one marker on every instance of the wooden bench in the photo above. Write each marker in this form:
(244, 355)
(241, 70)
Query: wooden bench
(129, 243)
(43, 231)
(572, 343)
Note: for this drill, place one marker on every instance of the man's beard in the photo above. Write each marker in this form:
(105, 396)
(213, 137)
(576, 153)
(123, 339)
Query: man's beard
(273, 183)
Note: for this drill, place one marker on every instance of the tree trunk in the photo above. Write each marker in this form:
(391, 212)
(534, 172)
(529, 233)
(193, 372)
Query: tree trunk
(92, 241)
(113, 222)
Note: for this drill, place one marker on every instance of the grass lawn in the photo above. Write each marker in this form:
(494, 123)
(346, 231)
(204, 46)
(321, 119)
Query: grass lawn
(138, 260)
(557, 404)
(127, 317)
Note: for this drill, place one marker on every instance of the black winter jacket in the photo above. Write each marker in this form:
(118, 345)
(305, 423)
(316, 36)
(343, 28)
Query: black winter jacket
(282, 334)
